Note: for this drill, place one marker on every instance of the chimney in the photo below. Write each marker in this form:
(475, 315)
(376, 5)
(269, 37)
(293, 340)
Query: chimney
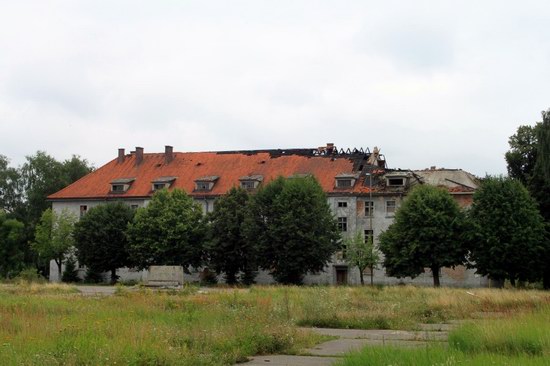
(330, 147)
(139, 155)
(120, 159)
(168, 154)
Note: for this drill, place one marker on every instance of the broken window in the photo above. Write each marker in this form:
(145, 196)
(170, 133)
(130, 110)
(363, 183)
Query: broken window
(343, 183)
(369, 208)
(343, 223)
(390, 207)
(393, 182)
(369, 234)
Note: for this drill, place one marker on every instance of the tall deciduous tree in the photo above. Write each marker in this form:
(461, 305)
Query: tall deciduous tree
(509, 232)
(54, 236)
(227, 249)
(10, 190)
(427, 233)
(361, 253)
(169, 231)
(11, 246)
(292, 225)
(100, 238)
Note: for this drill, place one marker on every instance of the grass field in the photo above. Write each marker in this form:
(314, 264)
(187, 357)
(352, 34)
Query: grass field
(54, 325)
(523, 339)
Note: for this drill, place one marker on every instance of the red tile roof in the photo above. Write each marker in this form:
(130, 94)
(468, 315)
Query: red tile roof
(228, 166)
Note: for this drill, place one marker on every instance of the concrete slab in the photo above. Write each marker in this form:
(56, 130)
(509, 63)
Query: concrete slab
(339, 347)
(280, 360)
(382, 334)
(96, 290)
(438, 327)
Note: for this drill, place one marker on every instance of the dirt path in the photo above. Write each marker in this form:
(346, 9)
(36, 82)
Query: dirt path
(328, 353)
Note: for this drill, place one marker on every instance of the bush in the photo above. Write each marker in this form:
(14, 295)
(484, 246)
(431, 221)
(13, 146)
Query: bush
(71, 273)
(30, 275)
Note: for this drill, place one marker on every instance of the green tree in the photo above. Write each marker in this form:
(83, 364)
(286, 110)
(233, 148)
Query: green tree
(427, 233)
(100, 238)
(227, 249)
(10, 190)
(292, 226)
(361, 253)
(522, 156)
(169, 231)
(54, 236)
(509, 232)
(11, 246)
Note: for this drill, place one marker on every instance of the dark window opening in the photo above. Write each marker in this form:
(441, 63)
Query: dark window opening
(369, 208)
(342, 204)
(396, 181)
(343, 223)
(343, 183)
(83, 210)
(369, 234)
(117, 188)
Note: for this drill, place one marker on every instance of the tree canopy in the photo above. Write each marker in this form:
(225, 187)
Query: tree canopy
(361, 253)
(100, 238)
(427, 233)
(169, 231)
(54, 236)
(509, 231)
(12, 252)
(292, 226)
(228, 250)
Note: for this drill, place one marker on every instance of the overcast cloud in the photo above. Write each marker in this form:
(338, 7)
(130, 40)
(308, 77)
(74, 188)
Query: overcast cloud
(440, 83)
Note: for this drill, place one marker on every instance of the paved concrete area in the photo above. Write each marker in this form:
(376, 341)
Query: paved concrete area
(327, 353)
(281, 360)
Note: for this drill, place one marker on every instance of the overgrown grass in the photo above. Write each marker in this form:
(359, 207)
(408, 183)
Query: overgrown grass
(513, 340)
(53, 325)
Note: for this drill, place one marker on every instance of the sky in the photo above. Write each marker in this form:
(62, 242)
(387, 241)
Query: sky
(431, 83)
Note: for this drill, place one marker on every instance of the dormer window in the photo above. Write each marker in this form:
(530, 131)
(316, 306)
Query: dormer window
(121, 185)
(205, 184)
(346, 180)
(251, 182)
(162, 183)
(396, 180)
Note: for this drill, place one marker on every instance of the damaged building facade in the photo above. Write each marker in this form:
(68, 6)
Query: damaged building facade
(362, 191)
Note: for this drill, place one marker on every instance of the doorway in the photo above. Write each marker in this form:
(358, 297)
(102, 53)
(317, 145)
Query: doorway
(341, 275)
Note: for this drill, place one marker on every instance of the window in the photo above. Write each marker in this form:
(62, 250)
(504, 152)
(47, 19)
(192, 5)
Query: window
(390, 207)
(159, 186)
(369, 208)
(368, 235)
(248, 184)
(343, 183)
(343, 223)
(117, 188)
(203, 186)
(342, 204)
(396, 182)
(83, 210)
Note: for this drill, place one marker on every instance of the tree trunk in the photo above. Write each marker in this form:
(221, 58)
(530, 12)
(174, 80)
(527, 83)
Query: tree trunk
(59, 262)
(361, 277)
(435, 273)
(513, 281)
(114, 277)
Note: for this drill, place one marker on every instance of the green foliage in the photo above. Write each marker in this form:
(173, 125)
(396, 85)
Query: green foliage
(70, 274)
(12, 253)
(292, 226)
(522, 156)
(509, 232)
(30, 275)
(100, 237)
(543, 148)
(227, 248)
(54, 236)
(10, 191)
(169, 231)
(93, 276)
(361, 253)
(427, 233)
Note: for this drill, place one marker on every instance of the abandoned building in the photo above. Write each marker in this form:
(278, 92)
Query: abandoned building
(362, 192)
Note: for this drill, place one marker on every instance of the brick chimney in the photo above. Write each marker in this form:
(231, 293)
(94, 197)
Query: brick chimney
(168, 154)
(139, 155)
(121, 156)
